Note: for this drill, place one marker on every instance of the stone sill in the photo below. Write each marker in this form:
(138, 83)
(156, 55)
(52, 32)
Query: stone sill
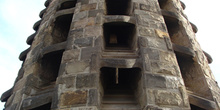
(119, 18)
(201, 102)
(54, 48)
(64, 12)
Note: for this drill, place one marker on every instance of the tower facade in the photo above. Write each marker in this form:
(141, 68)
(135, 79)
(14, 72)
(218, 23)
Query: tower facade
(113, 55)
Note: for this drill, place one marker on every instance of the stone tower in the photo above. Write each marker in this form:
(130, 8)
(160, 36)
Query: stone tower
(113, 55)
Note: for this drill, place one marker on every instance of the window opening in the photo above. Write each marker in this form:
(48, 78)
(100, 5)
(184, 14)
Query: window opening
(120, 81)
(43, 107)
(50, 65)
(68, 4)
(119, 35)
(61, 28)
(193, 77)
(194, 107)
(162, 3)
(118, 7)
(172, 26)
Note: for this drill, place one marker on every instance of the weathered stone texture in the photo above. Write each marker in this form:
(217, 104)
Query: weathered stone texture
(73, 98)
(161, 60)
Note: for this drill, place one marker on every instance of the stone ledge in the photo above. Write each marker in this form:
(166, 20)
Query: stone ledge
(36, 25)
(42, 13)
(64, 12)
(119, 62)
(183, 5)
(23, 54)
(63, 1)
(30, 39)
(46, 4)
(6, 95)
(54, 48)
(194, 27)
(171, 16)
(201, 102)
(34, 102)
(119, 18)
(209, 57)
(184, 51)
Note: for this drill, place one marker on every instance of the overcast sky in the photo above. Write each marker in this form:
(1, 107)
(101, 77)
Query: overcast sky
(17, 18)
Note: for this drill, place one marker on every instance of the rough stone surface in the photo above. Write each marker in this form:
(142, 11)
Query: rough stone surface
(72, 98)
(165, 62)
(167, 98)
(76, 67)
(86, 81)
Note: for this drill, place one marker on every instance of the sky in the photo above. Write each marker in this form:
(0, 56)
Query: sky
(17, 18)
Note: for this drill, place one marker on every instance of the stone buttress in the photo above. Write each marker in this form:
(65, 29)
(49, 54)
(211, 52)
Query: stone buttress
(113, 55)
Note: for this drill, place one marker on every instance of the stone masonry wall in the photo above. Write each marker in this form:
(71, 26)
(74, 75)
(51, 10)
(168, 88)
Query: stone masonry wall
(62, 67)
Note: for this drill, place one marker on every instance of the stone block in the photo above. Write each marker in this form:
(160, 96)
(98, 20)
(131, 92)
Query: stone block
(184, 96)
(71, 98)
(70, 55)
(88, 7)
(80, 24)
(168, 43)
(93, 31)
(91, 21)
(84, 42)
(86, 53)
(77, 67)
(161, 34)
(163, 97)
(144, 31)
(155, 81)
(69, 81)
(142, 41)
(83, 1)
(80, 15)
(152, 53)
(157, 43)
(77, 33)
(34, 102)
(12, 107)
(165, 68)
(93, 97)
(93, 13)
(120, 63)
(94, 63)
(86, 81)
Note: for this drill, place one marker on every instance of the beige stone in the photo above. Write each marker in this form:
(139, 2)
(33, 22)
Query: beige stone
(72, 98)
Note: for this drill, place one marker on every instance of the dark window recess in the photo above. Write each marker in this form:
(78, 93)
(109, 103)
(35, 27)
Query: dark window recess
(162, 3)
(193, 107)
(68, 4)
(119, 35)
(191, 73)
(120, 80)
(118, 7)
(50, 65)
(61, 28)
(172, 25)
(43, 107)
